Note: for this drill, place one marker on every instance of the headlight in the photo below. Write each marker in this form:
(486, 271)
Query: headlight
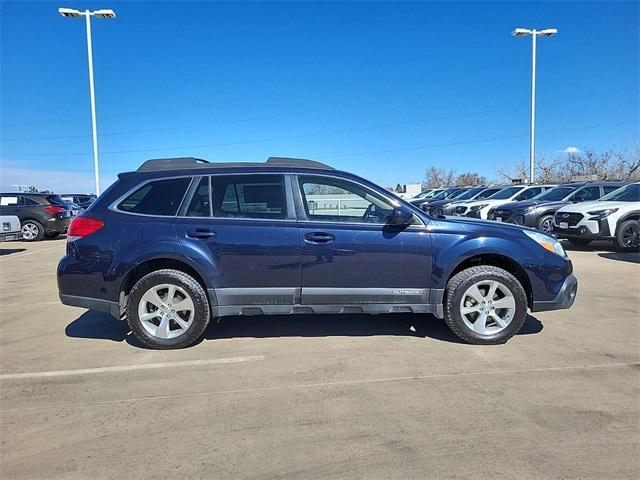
(479, 207)
(546, 242)
(600, 214)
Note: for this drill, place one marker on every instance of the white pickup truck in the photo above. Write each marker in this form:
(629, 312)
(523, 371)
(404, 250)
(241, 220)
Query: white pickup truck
(10, 228)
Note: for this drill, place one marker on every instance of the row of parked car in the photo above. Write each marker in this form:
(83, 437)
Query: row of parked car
(577, 211)
(34, 216)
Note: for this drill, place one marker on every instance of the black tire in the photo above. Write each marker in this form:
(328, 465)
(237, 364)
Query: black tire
(548, 220)
(628, 236)
(458, 285)
(579, 242)
(34, 226)
(51, 235)
(198, 295)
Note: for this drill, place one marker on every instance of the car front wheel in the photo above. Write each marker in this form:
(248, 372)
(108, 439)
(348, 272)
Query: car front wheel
(167, 309)
(485, 305)
(628, 236)
(546, 224)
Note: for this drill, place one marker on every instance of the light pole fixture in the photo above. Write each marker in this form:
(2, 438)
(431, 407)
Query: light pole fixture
(87, 14)
(523, 32)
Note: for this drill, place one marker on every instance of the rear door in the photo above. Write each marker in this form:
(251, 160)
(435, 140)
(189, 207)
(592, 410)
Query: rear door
(350, 254)
(246, 226)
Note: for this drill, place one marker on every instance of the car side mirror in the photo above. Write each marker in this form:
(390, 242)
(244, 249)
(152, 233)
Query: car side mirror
(400, 216)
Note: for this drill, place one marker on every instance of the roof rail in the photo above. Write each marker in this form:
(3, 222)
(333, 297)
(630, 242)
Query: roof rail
(160, 164)
(156, 164)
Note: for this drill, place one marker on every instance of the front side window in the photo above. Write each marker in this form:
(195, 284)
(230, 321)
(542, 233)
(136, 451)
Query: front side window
(335, 200)
(630, 193)
(529, 193)
(586, 194)
(610, 188)
(505, 193)
(160, 197)
(249, 196)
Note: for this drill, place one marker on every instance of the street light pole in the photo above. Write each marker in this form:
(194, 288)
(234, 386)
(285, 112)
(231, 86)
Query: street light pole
(87, 14)
(521, 32)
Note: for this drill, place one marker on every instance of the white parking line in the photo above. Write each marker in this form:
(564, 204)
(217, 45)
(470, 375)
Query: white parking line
(127, 368)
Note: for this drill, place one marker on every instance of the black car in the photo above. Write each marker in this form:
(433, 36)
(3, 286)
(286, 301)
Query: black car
(446, 207)
(538, 212)
(41, 214)
(447, 193)
(83, 200)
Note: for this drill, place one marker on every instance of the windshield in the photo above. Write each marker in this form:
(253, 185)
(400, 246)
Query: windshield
(629, 193)
(467, 194)
(424, 193)
(558, 193)
(454, 193)
(488, 192)
(442, 194)
(506, 193)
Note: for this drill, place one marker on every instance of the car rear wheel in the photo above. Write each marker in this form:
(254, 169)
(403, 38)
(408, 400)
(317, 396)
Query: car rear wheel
(628, 236)
(546, 224)
(579, 242)
(32, 231)
(485, 305)
(167, 309)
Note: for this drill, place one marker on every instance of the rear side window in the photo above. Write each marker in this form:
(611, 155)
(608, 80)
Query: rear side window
(161, 197)
(249, 196)
(610, 188)
(28, 202)
(586, 194)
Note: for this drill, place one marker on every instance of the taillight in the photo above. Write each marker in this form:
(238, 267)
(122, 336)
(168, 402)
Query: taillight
(54, 209)
(82, 227)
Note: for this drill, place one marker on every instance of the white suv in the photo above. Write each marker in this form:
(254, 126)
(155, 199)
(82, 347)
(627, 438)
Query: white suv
(514, 193)
(615, 216)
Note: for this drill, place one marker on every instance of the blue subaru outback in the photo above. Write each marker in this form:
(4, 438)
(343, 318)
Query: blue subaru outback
(180, 241)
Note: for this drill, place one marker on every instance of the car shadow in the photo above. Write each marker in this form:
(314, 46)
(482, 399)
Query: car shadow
(9, 251)
(101, 326)
(631, 257)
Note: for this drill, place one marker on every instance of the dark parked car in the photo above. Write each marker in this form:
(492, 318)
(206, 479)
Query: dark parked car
(83, 200)
(180, 241)
(446, 207)
(445, 194)
(41, 214)
(538, 212)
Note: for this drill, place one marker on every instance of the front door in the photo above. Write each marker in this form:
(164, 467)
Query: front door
(245, 225)
(350, 253)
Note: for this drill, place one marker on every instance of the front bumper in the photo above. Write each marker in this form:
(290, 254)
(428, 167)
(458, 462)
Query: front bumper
(563, 300)
(584, 231)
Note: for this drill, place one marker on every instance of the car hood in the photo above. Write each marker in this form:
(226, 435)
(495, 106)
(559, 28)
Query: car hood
(532, 203)
(594, 205)
(491, 203)
(476, 222)
(441, 203)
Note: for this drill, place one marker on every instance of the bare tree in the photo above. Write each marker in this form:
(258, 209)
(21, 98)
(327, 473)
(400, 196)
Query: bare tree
(438, 177)
(470, 179)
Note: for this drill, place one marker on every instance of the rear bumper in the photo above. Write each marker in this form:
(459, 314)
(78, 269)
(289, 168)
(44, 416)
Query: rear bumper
(97, 304)
(563, 300)
(9, 236)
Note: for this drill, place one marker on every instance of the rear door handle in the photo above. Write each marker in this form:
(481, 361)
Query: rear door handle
(201, 233)
(318, 238)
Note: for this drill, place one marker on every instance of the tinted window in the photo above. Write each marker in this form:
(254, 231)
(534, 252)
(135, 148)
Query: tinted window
(505, 193)
(161, 197)
(336, 200)
(487, 193)
(249, 196)
(586, 194)
(610, 188)
(630, 193)
(557, 193)
(529, 193)
(467, 194)
(29, 202)
(200, 205)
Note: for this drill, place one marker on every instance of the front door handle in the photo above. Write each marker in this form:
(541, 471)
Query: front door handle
(318, 238)
(201, 233)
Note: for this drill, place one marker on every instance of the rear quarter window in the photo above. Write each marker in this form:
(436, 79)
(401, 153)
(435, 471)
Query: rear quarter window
(159, 197)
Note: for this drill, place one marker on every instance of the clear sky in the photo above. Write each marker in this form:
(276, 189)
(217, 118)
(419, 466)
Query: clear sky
(384, 90)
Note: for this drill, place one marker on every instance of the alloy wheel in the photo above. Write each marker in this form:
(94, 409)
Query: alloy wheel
(30, 231)
(631, 236)
(547, 225)
(487, 307)
(166, 311)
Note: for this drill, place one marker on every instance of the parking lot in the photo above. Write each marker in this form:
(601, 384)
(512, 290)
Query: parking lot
(393, 396)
